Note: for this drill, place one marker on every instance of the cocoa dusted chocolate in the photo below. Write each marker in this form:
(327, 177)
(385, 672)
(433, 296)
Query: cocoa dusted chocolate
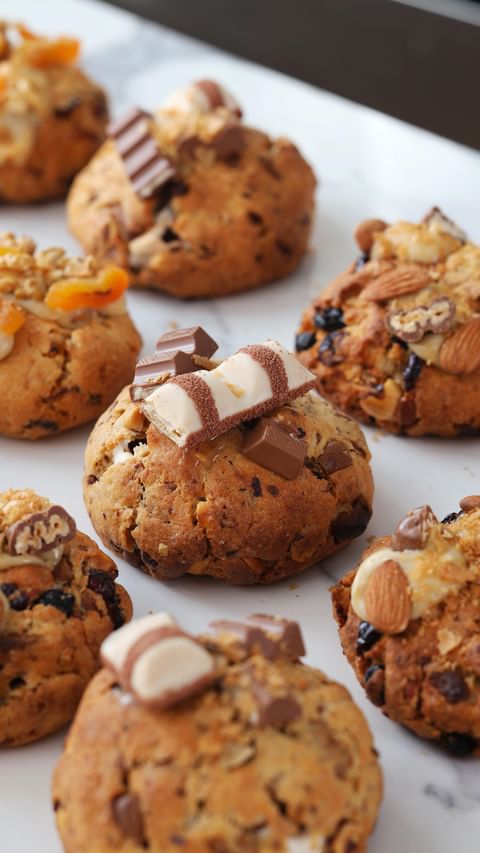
(40, 532)
(145, 165)
(268, 444)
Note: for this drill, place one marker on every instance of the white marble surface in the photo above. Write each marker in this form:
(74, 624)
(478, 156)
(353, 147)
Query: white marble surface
(368, 165)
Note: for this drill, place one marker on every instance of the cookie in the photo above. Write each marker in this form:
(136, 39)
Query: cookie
(408, 620)
(67, 343)
(193, 202)
(58, 602)
(52, 117)
(235, 470)
(395, 340)
(209, 743)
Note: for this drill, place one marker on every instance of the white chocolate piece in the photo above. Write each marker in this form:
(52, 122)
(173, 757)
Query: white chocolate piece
(115, 648)
(193, 99)
(170, 667)
(173, 412)
(432, 575)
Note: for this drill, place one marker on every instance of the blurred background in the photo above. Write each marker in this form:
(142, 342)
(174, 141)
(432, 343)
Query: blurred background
(418, 60)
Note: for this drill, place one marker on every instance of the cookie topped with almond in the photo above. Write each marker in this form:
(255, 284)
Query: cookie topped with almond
(395, 340)
(67, 343)
(408, 622)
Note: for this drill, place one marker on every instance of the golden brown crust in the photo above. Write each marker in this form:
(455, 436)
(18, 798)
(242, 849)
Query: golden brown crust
(428, 676)
(430, 385)
(57, 618)
(239, 224)
(184, 772)
(211, 510)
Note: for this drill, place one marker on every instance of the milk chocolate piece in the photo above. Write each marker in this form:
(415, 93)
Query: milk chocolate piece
(40, 531)
(275, 708)
(269, 445)
(269, 636)
(229, 142)
(128, 816)
(147, 168)
(335, 457)
(151, 371)
(192, 341)
(413, 531)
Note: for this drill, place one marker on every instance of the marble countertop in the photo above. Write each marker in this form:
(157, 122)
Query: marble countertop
(368, 165)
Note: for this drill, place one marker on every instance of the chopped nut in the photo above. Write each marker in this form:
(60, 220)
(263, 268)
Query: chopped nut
(383, 407)
(365, 233)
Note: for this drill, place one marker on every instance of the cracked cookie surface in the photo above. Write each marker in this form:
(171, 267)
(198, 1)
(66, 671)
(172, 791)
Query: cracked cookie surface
(395, 340)
(226, 222)
(178, 779)
(423, 670)
(52, 117)
(210, 510)
(62, 360)
(56, 608)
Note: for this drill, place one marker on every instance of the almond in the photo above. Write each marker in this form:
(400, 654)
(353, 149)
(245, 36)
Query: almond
(387, 598)
(398, 282)
(365, 233)
(470, 503)
(461, 351)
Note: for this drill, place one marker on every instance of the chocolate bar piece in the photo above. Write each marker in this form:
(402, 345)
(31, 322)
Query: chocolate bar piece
(200, 406)
(269, 445)
(147, 168)
(275, 707)
(193, 341)
(151, 372)
(269, 636)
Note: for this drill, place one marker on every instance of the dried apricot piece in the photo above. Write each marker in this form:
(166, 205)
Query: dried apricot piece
(69, 294)
(12, 317)
(44, 54)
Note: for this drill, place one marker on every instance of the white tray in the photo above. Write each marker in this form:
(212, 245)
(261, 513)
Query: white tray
(369, 165)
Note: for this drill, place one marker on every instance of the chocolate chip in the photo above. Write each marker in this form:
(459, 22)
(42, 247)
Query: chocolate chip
(283, 247)
(304, 340)
(361, 261)
(351, 523)
(255, 218)
(91, 479)
(63, 601)
(335, 457)
(256, 487)
(17, 682)
(50, 426)
(329, 319)
(458, 744)
(67, 108)
(452, 516)
(273, 490)
(451, 685)
(412, 370)
(128, 816)
(101, 583)
(169, 235)
(375, 684)
(367, 637)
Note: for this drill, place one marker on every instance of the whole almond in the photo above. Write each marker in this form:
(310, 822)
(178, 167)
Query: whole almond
(387, 598)
(460, 352)
(365, 233)
(470, 502)
(398, 282)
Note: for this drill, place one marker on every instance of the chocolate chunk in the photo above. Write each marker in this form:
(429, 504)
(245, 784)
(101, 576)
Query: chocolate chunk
(40, 532)
(351, 523)
(329, 319)
(367, 637)
(335, 457)
(269, 445)
(269, 636)
(274, 709)
(128, 816)
(147, 168)
(451, 685)
(150, 372)
(470, 503)
(230, 142)
(304, 340)
(413, 531)
(458, 744)
(193, 341)
(452, 516)
(63, 601)
(412, 370)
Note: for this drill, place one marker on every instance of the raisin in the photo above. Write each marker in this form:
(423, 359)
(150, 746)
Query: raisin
(399, 341)
(375, 684)
(256, 487)
(361, 261)
(329, 319)
(458, 744)
(169, 235)
(304, 340)
(101, 583)
(63, 601)
(18, 599)
(412, 371)
(17, 682)
(451, 685)
(367, 637)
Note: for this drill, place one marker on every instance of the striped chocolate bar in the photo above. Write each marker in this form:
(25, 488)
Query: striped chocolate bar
(147, 168)
(200, 406)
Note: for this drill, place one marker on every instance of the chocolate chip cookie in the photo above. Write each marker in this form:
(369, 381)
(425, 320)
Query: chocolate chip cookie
(52, 117)
(58, 602)
(193, 202)
(395, 340)
(67, 343)
(233, 469)
(219, 742)
(408, 620)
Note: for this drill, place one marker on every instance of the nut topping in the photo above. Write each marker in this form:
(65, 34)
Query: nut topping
(413, 531)
(395, 283)
(365, 233)
(460, 354)
(40, 532)
(411, 324)
(470, 503)
(387, 598)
